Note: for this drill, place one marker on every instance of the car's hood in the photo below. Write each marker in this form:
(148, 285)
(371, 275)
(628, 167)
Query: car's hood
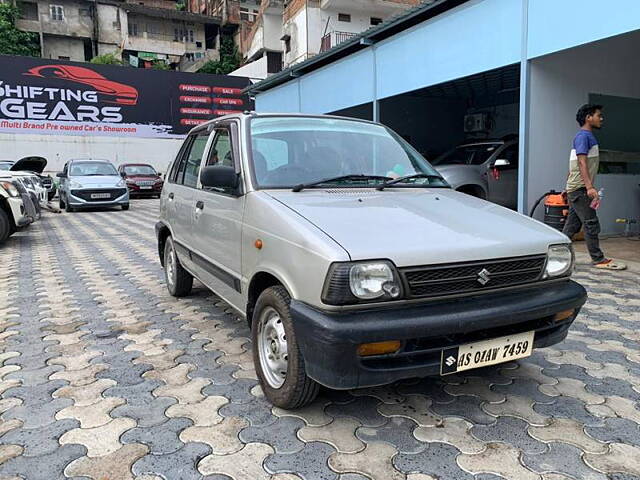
(419, 226)
(30, 164)
(89, 181)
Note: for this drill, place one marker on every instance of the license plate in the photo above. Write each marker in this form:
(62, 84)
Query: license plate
(145, 188)
(485, 353)
(100, 195)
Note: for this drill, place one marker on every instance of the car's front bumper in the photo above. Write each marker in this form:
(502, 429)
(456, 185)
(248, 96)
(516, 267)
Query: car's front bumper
(141, 191)
(76, 201)
(22, 209)
(329, 341)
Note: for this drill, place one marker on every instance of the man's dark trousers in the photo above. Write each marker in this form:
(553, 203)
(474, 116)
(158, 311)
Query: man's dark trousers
(581, 213)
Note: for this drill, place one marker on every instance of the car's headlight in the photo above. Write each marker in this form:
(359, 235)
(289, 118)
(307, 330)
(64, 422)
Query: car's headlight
(121, 183)
(74, 184)
(559, 261)
(10, 188)
(359, 282)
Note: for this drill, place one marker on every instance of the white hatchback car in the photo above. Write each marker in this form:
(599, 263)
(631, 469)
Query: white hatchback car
(352, 259)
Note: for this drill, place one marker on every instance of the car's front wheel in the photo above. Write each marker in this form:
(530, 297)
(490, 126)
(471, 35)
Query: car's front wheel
(277, 359)
(5, 226)
(125, 207)
(179, 281)
(67, 207)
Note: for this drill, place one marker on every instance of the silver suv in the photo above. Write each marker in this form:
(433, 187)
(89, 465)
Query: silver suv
(353, 261)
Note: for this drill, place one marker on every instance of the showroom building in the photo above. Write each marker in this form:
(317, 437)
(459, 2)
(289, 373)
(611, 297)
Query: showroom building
(454, 72)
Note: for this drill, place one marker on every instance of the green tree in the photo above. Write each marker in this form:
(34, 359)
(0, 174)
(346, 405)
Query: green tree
(160, 65)
(12, 40)
(229, 59)
(106, 59)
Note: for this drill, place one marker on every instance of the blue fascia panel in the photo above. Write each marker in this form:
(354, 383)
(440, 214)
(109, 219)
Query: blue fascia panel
(477, 36)
(557, 25)
(342, 84)
(282, 99)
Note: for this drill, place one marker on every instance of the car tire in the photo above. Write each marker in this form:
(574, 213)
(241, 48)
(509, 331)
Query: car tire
(61, 203)
(68, 208)
(179, 281)
(125, 207)
(275, 347)
(5, 226)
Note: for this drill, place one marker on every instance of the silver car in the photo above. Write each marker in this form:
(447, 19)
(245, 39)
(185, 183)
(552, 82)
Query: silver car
(486, 169)
(91, 183)
(353, 261)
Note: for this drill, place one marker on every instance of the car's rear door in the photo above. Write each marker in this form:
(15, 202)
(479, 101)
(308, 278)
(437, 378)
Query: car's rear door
(217, 222)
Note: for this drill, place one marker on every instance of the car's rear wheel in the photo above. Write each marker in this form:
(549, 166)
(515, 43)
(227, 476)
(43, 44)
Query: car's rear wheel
(5, 226)
(277, 359)
(179, 281)
(125, 207)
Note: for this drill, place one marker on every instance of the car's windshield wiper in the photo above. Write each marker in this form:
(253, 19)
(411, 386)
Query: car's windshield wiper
(302, 186)
(409, 177)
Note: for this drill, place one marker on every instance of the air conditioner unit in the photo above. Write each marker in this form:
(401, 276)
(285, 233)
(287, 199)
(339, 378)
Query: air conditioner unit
(477, 122)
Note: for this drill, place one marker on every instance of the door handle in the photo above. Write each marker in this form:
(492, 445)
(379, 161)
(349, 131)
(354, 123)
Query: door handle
(171, 196)
(200, 204)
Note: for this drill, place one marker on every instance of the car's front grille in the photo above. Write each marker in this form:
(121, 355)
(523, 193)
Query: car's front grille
(89, 195)
(145, 183)
(451, 279)
(46, 182)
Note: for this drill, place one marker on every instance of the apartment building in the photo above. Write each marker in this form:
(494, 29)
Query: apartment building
(141, 32)
(286, 32)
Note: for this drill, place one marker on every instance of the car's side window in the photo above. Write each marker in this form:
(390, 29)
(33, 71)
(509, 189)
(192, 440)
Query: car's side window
(193, 159)
(221, 151)
(175, 175)
(511, 153)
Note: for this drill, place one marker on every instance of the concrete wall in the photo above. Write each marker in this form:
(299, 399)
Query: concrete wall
(58, 149)
(560, 83)
(56, 47)
(74, 23)
(112, 21)
(254, 70)
(161, 37)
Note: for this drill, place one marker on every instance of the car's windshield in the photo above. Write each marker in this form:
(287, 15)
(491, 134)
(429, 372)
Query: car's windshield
(289, 151)
(468, 155)
(91, 168)
(139, 170)
(6, 165)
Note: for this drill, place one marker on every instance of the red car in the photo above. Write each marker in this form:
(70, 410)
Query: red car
(115, 92)
(142, 179)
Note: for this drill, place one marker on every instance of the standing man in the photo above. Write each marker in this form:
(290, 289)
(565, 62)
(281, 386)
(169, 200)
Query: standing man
(581, 192)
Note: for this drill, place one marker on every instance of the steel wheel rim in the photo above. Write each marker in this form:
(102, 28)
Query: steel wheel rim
(272, 347)
(171, 266)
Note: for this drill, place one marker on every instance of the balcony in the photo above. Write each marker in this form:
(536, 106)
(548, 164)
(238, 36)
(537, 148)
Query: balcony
(332, 39)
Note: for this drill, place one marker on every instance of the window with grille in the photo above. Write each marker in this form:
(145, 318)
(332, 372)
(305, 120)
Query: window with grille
(56, 12)
(133, 29)
(28, 10)
(344, 17)
(376, 21)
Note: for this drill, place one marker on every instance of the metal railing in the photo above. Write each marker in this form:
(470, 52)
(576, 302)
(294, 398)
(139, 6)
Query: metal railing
(332, 39)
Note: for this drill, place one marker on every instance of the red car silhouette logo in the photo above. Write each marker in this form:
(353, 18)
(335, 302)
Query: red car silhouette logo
(113, 91)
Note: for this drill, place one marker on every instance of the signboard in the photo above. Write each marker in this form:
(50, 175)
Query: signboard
(40, 96)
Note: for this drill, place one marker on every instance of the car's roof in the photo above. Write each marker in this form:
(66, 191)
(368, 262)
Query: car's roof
(252, 114)
(96, 160)
(136, 165)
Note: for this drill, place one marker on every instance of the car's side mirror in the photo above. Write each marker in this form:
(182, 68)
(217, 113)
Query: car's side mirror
(61, 175)
(501, 162)
(123, 174)
(219, 176)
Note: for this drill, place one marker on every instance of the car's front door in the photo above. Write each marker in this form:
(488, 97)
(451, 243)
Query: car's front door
(217, 223)
(502, 177)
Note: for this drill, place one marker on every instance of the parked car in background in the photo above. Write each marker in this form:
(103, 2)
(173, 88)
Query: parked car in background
(348, 274)
(91, 183)
(34, 165)
(486, 169)
(142, 179)
(16, 208)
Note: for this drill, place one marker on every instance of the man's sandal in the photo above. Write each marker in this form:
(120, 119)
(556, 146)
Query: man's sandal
(610, 264)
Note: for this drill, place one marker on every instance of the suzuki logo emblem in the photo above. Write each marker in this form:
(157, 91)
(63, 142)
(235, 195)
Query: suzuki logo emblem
(450, 361)
(484, 276)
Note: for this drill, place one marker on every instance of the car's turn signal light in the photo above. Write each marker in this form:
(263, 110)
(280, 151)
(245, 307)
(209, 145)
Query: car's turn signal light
(379, 348)
(563, 315)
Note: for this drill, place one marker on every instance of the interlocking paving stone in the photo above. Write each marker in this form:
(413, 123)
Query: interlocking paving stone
(161, 439)
(562, 458)
(309, 463)
(566, 407)
(39, 441)
(497, 458)
(438, 460)
(116, 465)
(398, 432)
(179, 465)
(509, 430)
(221, 437)
(616, 430)
(281, 435)
(466, 407)
(45, 467)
